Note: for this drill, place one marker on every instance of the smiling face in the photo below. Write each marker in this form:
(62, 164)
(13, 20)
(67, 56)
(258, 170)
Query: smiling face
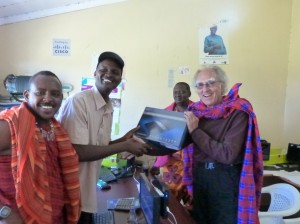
(181, 94)
(44, 96)
(108, 76)
(209, 88)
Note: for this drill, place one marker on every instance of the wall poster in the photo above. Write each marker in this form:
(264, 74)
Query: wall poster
(213, 43)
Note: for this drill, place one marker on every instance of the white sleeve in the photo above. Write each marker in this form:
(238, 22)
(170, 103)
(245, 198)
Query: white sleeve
(73, 117)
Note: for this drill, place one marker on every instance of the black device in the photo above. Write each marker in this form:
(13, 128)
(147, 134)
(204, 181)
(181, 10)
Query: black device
(113, 173)
(266, 147)
(293, 153)
(163, 129)
(163, 191)
(103, 185)
(150, 201)
(4, 212)
(123, 204)
(16, 85)
(107, 175)
(128, 170)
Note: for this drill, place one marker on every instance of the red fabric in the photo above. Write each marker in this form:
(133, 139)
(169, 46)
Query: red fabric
(55, 182)
(171, 107)
(7, 189)
(29, 168)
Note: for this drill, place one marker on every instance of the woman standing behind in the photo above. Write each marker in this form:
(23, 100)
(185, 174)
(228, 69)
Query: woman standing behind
(224, 165)
(171, 166)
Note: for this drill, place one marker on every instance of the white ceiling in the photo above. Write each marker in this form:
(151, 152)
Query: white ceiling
(12, 11)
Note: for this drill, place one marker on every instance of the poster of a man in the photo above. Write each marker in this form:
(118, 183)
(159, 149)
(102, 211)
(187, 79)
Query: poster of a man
(213, 43)
(213, 47)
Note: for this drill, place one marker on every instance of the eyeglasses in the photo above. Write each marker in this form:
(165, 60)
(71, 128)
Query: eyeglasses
(208, 84)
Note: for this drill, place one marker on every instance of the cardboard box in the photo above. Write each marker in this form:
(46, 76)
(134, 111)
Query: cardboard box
(163, 128)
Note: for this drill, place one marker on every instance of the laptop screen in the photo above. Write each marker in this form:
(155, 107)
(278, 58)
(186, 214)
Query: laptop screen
(162, 127)
(149, 200)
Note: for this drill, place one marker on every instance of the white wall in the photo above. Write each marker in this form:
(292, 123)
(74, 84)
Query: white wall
(292, 106)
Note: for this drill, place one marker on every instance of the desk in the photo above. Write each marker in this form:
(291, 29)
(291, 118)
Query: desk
(277, 156)
(292, 178)
(126, 187)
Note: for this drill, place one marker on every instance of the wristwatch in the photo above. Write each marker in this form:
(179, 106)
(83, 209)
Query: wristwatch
(4, 212)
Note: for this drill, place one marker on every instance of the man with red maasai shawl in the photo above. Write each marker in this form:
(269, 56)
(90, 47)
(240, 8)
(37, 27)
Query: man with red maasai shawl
(171, 166)
(224, 164)
(39, 181)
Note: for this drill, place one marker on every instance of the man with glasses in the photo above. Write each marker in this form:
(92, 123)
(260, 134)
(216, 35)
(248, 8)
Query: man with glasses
(87, 116)
(224, 165)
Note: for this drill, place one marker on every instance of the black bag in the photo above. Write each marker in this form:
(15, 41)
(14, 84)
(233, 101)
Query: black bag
(293, 153)
(266, 146)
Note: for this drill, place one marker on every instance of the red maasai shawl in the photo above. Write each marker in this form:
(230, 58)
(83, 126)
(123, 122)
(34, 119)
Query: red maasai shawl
(7, 188)
(172, 106)
(252, 171)
(29, 168)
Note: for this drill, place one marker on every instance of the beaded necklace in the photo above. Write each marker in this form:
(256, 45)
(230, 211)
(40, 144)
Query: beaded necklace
(48, 135)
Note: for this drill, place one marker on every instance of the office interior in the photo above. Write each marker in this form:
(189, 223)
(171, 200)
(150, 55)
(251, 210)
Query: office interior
(156, 38)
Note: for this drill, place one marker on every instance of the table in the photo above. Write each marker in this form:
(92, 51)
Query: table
(127, 187)
(292, 178)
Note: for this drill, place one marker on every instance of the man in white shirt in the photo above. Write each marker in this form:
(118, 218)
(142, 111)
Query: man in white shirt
(87, 116)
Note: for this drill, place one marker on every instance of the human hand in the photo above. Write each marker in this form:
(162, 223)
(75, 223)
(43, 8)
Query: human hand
(130, 133)
(217, 46)
(191, 120)
(126, 155)
(138, 139)
(137, 146)
(184, 196)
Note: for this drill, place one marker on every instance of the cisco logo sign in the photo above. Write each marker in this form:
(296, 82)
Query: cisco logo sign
(61, 47)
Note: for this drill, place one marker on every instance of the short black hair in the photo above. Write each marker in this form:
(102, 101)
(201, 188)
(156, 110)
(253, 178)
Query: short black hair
(45, 73)
(184, 84)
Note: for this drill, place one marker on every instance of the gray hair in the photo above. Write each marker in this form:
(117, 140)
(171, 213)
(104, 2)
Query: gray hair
(220, 75)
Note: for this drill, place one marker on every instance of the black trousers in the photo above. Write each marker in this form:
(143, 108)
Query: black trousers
(86, 218)
(215, 192)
